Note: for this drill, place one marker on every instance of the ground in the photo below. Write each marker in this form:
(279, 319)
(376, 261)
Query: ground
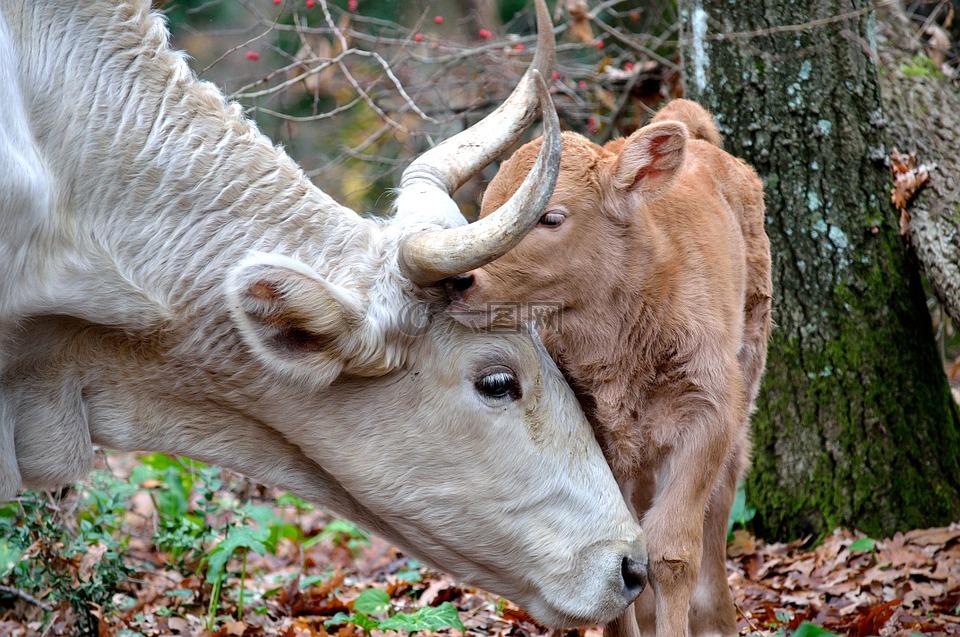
(154, 546)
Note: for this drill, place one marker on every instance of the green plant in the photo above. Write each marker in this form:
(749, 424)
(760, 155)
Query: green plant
(740, 512)
(863, 545)
(806, 629)
(238, 538)
(922, 66)
(374, 601)
(192, 515)
(75, 558)
(184, 496)
(9, 558)
(342, 533)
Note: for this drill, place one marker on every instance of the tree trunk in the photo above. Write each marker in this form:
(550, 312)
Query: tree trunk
(855, 423)
(922, 109)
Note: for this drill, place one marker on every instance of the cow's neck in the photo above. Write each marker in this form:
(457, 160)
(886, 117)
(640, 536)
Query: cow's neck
(155, 186)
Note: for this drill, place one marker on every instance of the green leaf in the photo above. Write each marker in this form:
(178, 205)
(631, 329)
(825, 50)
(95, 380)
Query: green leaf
(237, 538)
(372, 601)
(806, 629)
(9, 558)
(862, 545)
(339, 618)
(288, 499)
(341, 530)
(310, 580)
(359, 619)
(740, 512)
(409, 576)
(429, 618)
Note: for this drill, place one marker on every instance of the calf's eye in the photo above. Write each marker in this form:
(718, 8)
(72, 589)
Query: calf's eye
(552, 219)
(498, 383)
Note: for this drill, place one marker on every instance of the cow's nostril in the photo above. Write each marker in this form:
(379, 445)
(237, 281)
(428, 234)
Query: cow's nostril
(634, 574)
(460, 283)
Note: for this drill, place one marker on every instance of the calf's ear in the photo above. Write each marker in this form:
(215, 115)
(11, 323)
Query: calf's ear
(650, 160)
(293, 318)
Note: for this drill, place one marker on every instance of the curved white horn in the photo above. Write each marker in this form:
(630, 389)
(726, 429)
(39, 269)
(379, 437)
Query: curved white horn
(429, 181)
(452, 162)
(431, 256)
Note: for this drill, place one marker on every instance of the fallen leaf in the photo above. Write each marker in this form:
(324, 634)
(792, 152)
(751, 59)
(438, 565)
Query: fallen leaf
(88, 563)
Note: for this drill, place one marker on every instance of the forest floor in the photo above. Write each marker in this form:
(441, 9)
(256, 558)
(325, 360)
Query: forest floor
(305, 574)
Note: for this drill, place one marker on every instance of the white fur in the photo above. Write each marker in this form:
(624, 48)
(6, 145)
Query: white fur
(137, 211)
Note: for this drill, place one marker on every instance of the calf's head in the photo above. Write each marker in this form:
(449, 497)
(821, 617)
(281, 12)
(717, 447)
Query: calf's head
(582, 247)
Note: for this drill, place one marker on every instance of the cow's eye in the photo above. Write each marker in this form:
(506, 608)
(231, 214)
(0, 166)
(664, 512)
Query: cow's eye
(552, 219)
(498, 383)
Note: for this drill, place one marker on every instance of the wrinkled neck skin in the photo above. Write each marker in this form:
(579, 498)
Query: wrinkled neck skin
(154, 237)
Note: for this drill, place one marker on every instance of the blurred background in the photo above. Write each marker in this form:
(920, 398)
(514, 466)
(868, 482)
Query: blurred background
(355, 89)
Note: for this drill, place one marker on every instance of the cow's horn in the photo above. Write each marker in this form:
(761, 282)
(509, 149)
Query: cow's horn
(431, 256)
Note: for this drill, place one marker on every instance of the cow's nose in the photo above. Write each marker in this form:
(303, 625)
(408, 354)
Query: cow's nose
(457, 286)
(634, 573)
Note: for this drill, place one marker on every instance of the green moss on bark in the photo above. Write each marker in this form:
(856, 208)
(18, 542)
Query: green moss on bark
(855, 424)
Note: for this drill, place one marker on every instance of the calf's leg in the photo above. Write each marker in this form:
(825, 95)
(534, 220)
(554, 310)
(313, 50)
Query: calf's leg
(674, 524)
(712, 612)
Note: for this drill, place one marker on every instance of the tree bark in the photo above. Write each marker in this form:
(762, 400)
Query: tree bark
(855, 423)
(922, 107)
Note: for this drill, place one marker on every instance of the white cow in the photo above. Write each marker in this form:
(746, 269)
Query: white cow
(169, 280)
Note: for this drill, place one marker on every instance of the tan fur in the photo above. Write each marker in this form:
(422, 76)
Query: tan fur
(661, 273)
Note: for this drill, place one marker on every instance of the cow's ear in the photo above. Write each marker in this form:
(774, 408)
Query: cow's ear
(650, 160)
(292, 317)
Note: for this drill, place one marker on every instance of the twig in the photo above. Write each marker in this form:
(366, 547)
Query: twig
(618, 110)
(25, 596)
(304, 118)
(790, 28)
(240, 46)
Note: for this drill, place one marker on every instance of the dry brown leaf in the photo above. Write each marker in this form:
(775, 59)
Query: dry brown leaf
(939, 45)
(921, 592)
(91, 558)
(927, 537)
(178, 624)
(580, 28)
(433, 590)
(908, 178)
(300, 629)
(742, 544)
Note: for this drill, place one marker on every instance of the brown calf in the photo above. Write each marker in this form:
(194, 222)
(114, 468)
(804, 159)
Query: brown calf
(653, 257)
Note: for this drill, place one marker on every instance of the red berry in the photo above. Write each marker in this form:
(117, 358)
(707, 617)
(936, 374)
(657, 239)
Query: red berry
(311, 3)
(599, 44)
(582, 84)
(628, 66)
(352, 5)
(277, 1)
(519, 47)
(253, 55)
(485, 33)
(556, 75)
(418, 37)
(592, 126)
(438, 19)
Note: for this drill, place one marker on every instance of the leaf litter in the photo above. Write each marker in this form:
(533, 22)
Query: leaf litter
(309, 583)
